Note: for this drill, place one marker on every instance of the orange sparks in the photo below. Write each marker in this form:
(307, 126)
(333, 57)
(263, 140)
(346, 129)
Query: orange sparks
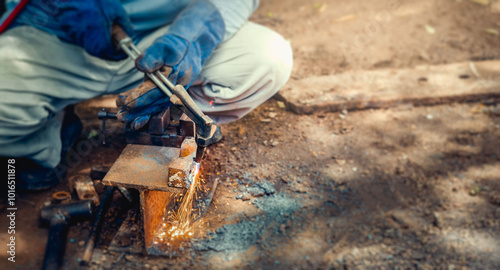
(177, 229)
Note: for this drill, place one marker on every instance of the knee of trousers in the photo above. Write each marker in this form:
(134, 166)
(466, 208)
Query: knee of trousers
(273, 55)
(30, 131)
(244, 72)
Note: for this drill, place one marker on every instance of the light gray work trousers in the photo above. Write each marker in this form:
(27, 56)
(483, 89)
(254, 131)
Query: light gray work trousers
(40, 76)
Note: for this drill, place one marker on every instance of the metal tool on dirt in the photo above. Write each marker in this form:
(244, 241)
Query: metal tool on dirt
(96, 225)
(98, 173)
(58, 217)
(104, 115)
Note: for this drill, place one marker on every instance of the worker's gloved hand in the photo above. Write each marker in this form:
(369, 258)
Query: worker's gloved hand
(86, 23)
(139, 104)
(180, 54)
(188, 43)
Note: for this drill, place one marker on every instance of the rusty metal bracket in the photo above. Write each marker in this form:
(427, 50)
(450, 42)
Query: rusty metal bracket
(156, 172)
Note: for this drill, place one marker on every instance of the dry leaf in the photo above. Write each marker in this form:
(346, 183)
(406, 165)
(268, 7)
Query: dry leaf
(491, 31)
(345, 18)
(481, 2)
(430, 29)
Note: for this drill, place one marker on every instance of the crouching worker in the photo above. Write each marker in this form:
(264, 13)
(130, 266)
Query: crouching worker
(54, 54)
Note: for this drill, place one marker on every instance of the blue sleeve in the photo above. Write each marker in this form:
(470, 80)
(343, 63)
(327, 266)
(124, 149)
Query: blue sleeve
(149, 15)
(235, 13)
(9, 7)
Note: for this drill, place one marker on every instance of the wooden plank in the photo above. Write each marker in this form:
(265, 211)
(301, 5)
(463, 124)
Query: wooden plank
(420, 86)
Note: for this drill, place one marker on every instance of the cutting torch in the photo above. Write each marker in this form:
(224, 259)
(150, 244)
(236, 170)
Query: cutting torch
(177, 94)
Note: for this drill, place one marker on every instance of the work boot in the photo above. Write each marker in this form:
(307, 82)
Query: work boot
(31, 175)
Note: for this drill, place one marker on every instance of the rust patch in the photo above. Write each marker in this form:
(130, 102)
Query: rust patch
(153, 206)
(188, 147)
(143, 167)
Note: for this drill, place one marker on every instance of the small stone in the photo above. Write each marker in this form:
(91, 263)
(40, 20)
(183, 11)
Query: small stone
(496, 111)
(241, 131)
(72, 240)
(239, 196)
(256, 191)
(129, 258)
(246, 197)
(344, 112)
(430, 117)
(125, 241)
(281, 104)
(342, 116)
(275, 143)
(401, 218)
(268, 188)
(340, 161)
(285, 179)
(234, 149)
(265, 120)
(272, 115)
(437, 219)
(495, 199)
(81, 243)
(474, 191)
(390, 233)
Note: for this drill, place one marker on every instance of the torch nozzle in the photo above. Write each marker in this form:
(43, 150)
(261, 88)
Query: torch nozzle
(199, 154)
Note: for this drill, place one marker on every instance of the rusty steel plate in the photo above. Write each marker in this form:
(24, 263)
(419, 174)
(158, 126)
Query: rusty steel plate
(143, 167)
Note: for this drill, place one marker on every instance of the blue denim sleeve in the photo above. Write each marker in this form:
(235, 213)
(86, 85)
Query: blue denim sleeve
(86, 23)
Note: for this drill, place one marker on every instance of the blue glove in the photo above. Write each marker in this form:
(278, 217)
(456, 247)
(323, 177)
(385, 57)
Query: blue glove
(86, 23)
(139, 104)
(181, 52)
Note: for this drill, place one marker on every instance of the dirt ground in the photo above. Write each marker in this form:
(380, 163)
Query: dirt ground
(398, 188)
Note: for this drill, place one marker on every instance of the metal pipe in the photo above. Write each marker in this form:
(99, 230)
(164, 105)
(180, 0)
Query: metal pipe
(58, 217)
(96, 225)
